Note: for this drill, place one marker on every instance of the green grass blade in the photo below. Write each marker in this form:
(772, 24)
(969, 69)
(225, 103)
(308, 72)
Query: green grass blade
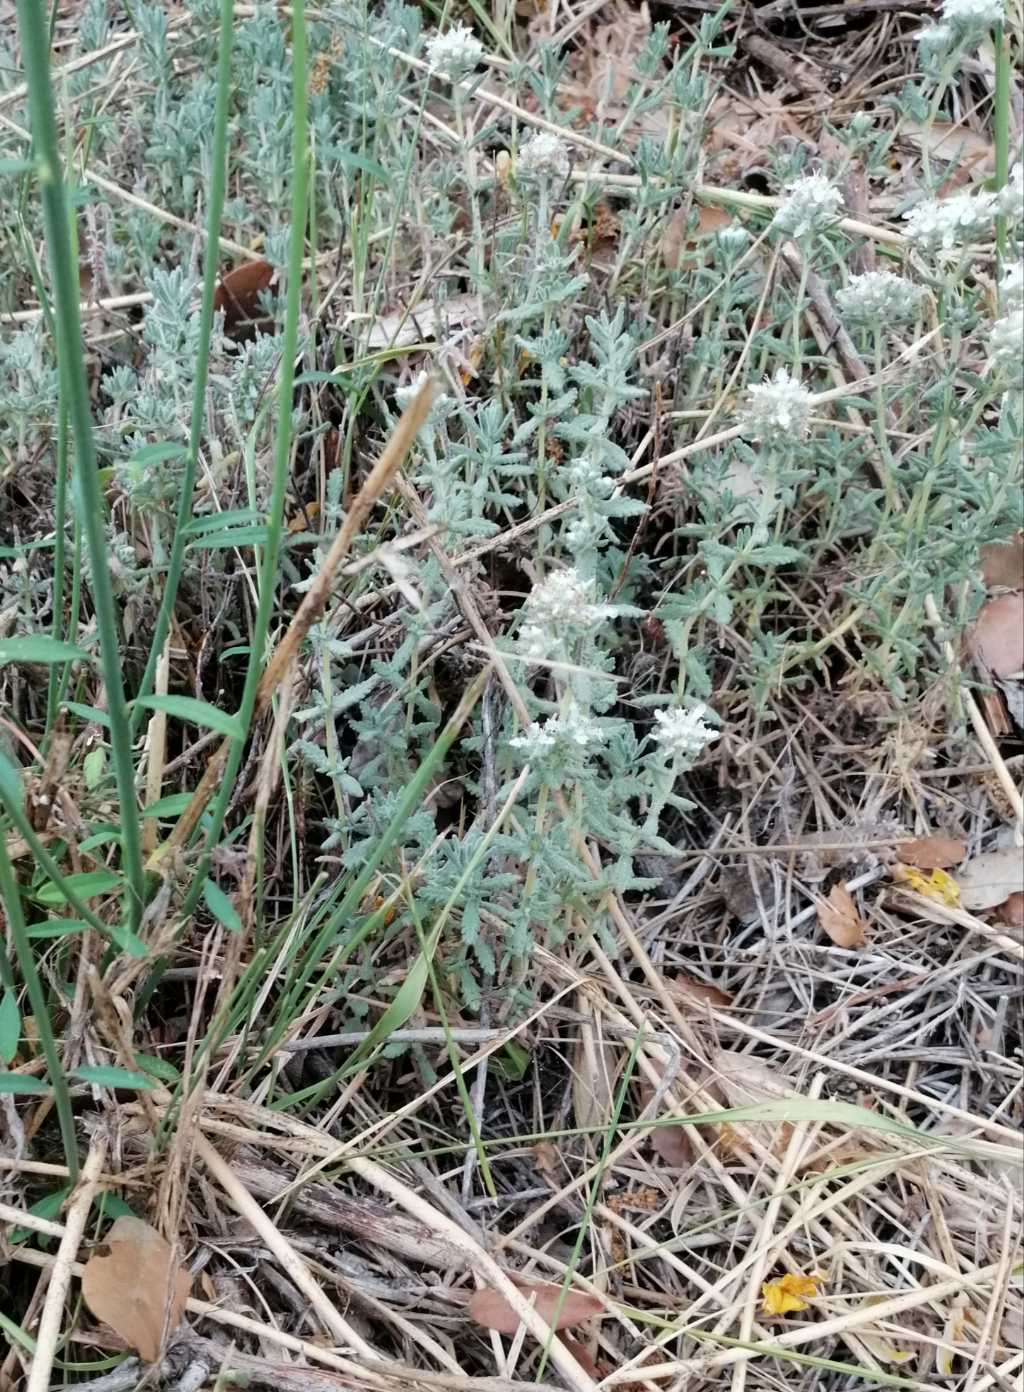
(36, 49)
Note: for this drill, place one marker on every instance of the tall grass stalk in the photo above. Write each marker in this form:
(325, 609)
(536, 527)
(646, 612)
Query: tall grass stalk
(214, 212)
(73, 385)
(10, 896)
(282, 443)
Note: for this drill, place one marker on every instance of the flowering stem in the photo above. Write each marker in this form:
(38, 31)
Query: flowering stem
(1001, 124)
(888, 463)
(798, 308)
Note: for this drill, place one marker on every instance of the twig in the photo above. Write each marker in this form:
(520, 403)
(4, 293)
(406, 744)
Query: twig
(63, 1266)
(282, 1249)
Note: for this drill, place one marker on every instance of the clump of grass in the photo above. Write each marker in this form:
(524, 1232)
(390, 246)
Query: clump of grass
(432, 721)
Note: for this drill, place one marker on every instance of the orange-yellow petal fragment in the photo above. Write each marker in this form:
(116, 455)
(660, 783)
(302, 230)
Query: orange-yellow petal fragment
(785, 1295)
(936, 885)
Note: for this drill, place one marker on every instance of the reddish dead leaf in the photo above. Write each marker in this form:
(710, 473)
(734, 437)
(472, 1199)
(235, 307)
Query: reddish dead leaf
(838, 918)
(131, 1283)
(239, 292)
(677, 238)
(491, 1310)
(1011, 911)
(1002, 564)
(931, 852)
(583, 1356)
(998, 637)
(693, 992)
(673, 1145)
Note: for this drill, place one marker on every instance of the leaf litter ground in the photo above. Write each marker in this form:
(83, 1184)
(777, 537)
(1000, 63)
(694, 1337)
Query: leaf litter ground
(767, 1141)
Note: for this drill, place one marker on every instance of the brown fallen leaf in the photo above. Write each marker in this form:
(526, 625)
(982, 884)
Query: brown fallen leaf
(998, 637)
(583, 1356)
(673, 1145)
(988, 880)
(839, 920)
(238, 295)
(690, 991)
(931, 852)
(491, 1310)
(131, 1283)
(1002, 564)
(948, 142)
(678, 239)
(1011, 911)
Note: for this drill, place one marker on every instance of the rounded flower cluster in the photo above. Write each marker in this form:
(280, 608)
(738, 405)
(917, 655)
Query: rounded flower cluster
(558, 612)
(543, 156)
(1011, 288)
(682, 732)
(880, 295)
(1006, 343)
(973, 14)
(944, 224)
(454, 53)
(812, 203)
(441, 408)
(776, 411)
(569, 729)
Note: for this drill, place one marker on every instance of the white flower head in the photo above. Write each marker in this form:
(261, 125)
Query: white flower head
(454, 53)
(812, 203)
(569, 732)
(734, 239)
(973, 14)
(1006, 344)
(777, 410)
(1011, 289)
(543, 156)
(440, 410)
(943, 224)
(880, 296)
(558, 612)
(682, 732)
(1010, 198)
(861, 124)
(937, 38)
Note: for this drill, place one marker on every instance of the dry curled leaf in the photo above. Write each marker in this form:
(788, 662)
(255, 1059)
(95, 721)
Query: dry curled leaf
(1002, 564)
(238, 295)
(131, 1283)
(988, 880)
(690, 991)
(998, 637)
(785, 1295)
(839, 920)
(1011, 912)
(491, 1310)
(931, 852)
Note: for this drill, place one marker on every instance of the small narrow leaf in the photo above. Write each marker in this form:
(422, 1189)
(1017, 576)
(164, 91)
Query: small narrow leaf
(38, 648)
(221, 906)
(196, 712)
(86, 885)
(107, 1076)
(157, 454)
(21, 1083)
(10, 1026)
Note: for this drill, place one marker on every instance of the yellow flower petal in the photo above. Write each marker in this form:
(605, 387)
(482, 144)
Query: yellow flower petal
(936, 885)
(784, 1295)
